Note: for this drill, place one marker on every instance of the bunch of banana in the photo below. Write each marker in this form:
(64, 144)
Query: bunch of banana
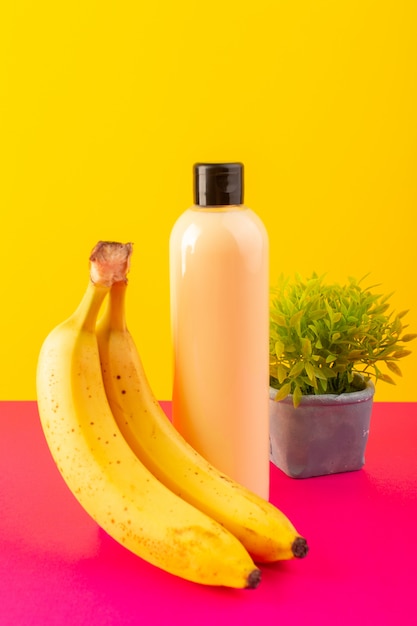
(124, 461)
(264, 530)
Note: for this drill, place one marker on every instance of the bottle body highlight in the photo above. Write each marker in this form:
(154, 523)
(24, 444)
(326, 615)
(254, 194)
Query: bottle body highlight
(220, 324)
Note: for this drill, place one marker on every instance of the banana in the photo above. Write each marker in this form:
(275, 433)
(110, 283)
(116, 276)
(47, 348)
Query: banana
(99, 467)
(263, 529)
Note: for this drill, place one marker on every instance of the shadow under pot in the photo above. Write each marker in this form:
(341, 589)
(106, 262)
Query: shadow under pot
(325, 434)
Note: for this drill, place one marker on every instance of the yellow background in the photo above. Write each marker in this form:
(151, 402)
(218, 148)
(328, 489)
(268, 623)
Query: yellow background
(105, 105)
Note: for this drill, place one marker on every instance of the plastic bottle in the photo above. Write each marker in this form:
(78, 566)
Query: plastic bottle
(219, 283)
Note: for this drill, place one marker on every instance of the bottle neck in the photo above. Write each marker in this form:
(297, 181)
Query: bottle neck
(218, 208)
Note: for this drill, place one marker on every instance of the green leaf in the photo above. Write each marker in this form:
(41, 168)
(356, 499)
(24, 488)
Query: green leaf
(399, 354)
(339, 368)
(409, 337)
(279, 348)
(318, 314)
(297, 395)
(323, 385)
(319, 373)
(279, 319)
(328, 372)
(352, 319)
(354, 355)
(378, 310)
(305, 347)
(310, 372)
(283, 392)
(329, 310)
(394, 368)
(282, 373)
(401, 314)
(291, 348)
(386, 379)
(296, 369)
(295, 319)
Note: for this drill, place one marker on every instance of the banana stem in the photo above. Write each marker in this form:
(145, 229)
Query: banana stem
(85, 316)
(115, 312)
(109, 264)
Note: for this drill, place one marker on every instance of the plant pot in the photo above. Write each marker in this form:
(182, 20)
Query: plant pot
(325, 434)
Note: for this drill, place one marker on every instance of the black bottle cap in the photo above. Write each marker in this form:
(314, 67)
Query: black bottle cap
(218, 184)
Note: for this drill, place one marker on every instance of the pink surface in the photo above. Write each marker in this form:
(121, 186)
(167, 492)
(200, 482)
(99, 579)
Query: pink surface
(57, 567)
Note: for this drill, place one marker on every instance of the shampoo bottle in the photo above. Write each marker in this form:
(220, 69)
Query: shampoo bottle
(219, 284)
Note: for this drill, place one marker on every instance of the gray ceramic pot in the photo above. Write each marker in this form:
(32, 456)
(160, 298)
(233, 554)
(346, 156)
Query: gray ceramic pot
(324, 435)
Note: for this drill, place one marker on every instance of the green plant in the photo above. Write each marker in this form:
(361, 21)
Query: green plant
(331, 338)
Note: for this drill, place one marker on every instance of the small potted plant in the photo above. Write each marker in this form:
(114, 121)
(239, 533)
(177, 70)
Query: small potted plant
(327, 345)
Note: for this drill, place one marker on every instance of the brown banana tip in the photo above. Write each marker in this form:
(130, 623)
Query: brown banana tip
(254, 579)
(109, 262)
(299, 548)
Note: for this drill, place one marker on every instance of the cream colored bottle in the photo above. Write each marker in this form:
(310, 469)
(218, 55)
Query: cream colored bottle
(220, 324)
